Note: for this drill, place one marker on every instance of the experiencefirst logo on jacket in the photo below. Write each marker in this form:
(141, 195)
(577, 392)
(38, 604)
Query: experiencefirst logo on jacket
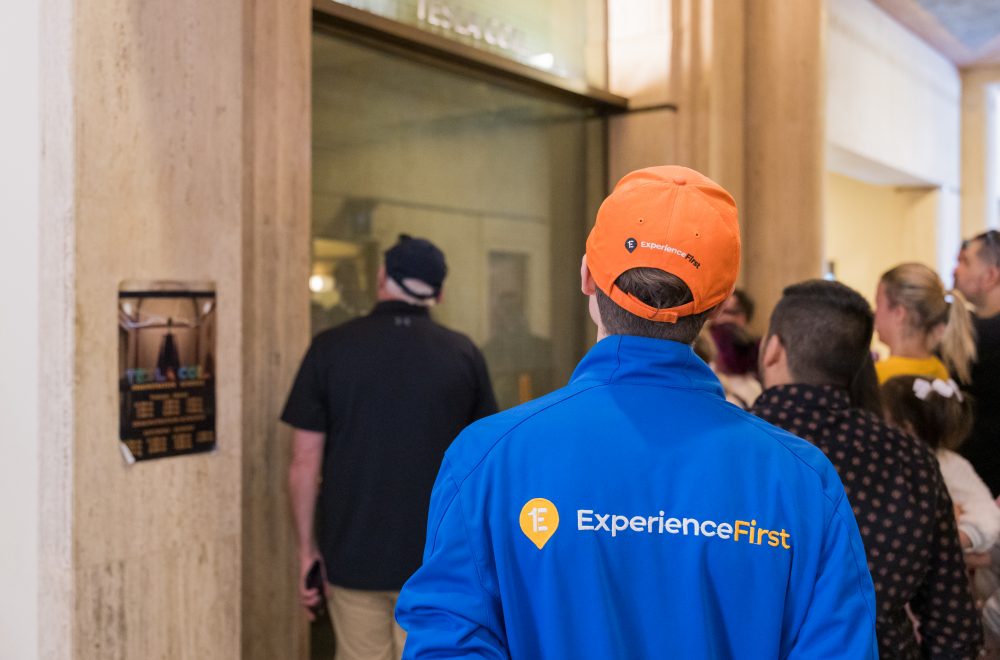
(540, 519)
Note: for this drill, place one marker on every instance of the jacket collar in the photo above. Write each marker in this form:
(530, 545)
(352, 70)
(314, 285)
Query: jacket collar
(644, 361)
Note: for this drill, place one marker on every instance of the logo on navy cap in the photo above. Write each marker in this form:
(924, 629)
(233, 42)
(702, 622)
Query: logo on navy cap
(631, 244)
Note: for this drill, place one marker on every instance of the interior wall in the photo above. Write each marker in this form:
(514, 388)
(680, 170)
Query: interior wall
(870, 229)
(510, 214)
(891, 98)
(894, 115)
(57, 335)
(979, 126)
(20, 133)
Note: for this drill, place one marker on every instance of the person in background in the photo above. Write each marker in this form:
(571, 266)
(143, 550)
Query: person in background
(937, 412)
(977, 276)
(634, 513)
(737, 310)
(917, 321)
(813, 359)
(376, 402)
(735, 354)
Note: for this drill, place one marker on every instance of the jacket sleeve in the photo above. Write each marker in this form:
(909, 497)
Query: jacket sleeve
(949, 623)
(444, 607)
(840, 619)
(980, 518)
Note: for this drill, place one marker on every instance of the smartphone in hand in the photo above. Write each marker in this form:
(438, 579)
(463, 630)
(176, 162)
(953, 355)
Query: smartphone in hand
(314, 580)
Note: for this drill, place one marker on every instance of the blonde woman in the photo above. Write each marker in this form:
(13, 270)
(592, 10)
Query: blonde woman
(920, 321)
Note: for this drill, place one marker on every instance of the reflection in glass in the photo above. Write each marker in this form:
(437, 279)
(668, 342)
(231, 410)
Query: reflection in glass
(498, 179)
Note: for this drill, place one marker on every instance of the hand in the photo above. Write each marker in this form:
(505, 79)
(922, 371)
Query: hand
(309, 597)
(964, 540)
(978, 560)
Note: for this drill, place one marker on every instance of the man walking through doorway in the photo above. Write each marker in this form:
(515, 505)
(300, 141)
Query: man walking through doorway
(376, 402)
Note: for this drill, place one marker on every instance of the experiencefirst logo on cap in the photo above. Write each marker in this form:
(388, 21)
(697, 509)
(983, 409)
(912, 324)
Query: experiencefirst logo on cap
(631, 244)
(540, 519)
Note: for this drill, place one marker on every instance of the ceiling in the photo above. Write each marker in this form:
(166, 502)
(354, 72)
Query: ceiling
(967, 32)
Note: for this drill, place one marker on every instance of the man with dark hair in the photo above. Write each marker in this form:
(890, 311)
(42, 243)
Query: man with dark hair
(375, 404)
(977, 276)
(634, 513)
(815, 352)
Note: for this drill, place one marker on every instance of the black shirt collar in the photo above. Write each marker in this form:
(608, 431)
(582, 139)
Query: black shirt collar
(399, 307)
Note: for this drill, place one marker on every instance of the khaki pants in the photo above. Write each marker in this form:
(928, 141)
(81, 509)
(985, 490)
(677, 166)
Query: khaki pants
(364, 624)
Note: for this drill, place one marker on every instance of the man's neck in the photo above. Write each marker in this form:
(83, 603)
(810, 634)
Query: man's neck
(990, 306)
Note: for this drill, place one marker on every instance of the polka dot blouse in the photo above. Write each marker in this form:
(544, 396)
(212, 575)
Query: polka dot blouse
(905, 516)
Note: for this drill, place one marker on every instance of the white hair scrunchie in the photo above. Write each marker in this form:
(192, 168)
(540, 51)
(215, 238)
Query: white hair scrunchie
(946, 388)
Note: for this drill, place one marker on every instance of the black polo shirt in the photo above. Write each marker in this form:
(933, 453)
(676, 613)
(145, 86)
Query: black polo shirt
(983, 446)
(391, 390)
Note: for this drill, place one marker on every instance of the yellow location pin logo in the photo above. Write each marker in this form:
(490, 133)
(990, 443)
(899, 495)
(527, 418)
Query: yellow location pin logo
(539, 521)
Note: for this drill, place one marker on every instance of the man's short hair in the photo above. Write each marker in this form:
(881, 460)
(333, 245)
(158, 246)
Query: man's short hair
(989, 250)
(826, 330)
(658, 289)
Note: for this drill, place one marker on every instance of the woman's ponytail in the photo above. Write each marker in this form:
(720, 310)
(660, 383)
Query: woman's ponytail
(958, 341)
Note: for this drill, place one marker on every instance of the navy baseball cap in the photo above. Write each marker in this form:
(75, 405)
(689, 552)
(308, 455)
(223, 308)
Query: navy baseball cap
(419, 259)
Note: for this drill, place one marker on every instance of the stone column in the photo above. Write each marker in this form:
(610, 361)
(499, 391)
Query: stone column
(172, 144)
(275, 313)
(785, 137)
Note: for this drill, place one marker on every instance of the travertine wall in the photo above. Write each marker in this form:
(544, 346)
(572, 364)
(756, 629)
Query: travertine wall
(159, 137)
(746, 79)
(175, 145)
(689, 54)
(784, 147)
(274, 314)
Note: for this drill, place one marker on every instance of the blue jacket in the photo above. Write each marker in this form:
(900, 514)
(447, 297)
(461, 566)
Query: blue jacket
(636, 514)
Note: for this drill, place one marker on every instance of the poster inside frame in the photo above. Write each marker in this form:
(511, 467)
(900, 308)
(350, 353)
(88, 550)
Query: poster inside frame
(166, 359)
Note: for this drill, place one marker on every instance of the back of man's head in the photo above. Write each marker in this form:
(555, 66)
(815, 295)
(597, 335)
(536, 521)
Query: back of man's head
(826, 330)
(664, 252)
(415, 270)
(989, 246)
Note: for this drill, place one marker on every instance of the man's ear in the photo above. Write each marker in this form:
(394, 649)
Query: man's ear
(992, 277)
(587, 284)
(772, 352)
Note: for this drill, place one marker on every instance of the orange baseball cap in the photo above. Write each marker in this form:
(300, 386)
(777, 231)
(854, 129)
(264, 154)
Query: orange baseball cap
(674, 219)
